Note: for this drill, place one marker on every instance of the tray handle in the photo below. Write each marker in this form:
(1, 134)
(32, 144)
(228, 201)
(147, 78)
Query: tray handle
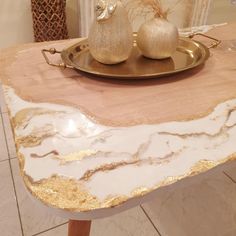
(53, 51)
(214, 44)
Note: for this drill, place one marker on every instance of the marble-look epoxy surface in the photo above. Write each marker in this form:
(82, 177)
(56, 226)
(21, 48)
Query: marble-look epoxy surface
(109, 165)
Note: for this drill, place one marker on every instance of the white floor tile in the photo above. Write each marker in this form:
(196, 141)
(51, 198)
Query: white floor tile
(59, 231)
(130, 223)
(203, 207)
(3, 146)
(34, 219)
(230, 170)
(3, 107)
(9, 220)
(9, 136)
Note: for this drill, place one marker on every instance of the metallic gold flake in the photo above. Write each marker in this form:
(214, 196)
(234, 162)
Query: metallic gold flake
(23, 116)
(107, 167)
(36, 137)
(68, 194)
(140, 191)
(34, 155)
(21, 159)
(63, 193)
(71, 195)
(202, 166)
(112, 201)
(76, 156)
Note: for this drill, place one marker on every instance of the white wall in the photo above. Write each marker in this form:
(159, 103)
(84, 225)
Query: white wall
(16, 21)
(184, 13)
(222, 11)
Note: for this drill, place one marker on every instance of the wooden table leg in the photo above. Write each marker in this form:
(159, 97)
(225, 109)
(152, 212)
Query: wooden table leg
(79, 228)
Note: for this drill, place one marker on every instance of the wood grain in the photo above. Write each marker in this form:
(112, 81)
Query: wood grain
(123, 103)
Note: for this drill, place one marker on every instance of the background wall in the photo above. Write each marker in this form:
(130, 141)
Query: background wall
(16, 20)
(222, 11)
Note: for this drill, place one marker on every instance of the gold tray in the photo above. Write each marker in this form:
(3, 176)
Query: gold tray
(189, 54)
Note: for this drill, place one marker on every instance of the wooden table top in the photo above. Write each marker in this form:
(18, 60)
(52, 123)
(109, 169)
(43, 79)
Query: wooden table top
(90, 147)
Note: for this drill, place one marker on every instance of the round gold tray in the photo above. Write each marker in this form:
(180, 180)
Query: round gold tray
(189, 54)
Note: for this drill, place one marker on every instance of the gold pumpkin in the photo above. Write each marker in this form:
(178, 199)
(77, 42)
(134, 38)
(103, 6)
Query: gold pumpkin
(158, 38)
(110, 37)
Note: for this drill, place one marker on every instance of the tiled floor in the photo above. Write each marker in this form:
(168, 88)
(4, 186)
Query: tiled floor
(203, 206)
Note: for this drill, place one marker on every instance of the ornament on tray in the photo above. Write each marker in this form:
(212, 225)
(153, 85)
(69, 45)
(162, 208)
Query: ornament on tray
(157, 38)
(110, 37)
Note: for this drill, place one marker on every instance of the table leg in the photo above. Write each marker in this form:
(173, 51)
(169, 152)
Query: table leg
(79, 228)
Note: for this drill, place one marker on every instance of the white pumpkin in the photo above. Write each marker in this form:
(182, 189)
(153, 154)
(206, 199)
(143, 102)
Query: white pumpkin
(110, 37)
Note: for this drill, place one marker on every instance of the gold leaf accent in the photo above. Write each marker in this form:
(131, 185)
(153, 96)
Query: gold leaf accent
(36, 137)
(62, 193)
(71, 195)
(202, 166)
(88, 174)
(76, 156)
(140, 191)
(68, 194)
(23, 116)
(113, 201)
(53, 152)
